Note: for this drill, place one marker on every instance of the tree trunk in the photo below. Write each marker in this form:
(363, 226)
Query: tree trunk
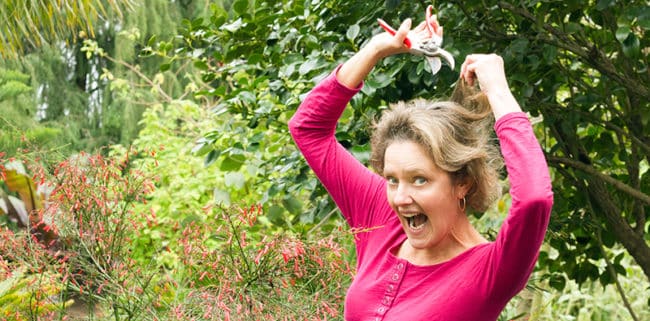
(633, 242)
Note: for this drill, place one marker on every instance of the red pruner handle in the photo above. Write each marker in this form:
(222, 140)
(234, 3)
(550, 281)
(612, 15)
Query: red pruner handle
(392, 31)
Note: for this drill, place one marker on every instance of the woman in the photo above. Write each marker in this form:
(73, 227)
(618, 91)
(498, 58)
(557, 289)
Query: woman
(419, 257)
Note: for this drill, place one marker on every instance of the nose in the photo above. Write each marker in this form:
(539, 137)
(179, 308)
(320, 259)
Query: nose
(401, 195)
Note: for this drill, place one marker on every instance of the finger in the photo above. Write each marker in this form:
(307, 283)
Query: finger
(403, 31)
(468, 69)
(435, 26)
(405, 26)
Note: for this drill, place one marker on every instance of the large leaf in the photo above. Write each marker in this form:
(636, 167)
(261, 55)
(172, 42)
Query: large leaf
(14, 208)
(25, 187)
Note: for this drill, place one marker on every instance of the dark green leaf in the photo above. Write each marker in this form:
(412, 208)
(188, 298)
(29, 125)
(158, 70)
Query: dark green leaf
(212, 156)
(240, 6)
(604, 4)
(557, 281)
(622, 33)
(631, 46)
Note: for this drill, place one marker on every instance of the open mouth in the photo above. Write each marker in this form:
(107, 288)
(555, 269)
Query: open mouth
(416, 222)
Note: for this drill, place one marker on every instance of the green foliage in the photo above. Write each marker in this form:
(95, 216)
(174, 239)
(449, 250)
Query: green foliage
(567, 64)
(26, 27)
(33, 294)
(580, 66)
(255, 75)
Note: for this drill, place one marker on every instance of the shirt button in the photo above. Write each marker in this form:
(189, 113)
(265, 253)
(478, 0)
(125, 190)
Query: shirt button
(400, 266)
(395, 277)
(390, 288)
(385, 300)
(381, 310)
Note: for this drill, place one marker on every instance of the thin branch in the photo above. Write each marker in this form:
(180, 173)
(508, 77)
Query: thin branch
(594, 172)
(323, 220)
(607, 125)
(612, 272)
(592, 55)
(142, 76)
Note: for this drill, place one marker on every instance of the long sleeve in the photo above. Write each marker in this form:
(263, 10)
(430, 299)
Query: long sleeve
(357, 191)
(522, 233)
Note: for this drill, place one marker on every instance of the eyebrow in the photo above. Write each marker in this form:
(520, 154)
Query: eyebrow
(408, 172)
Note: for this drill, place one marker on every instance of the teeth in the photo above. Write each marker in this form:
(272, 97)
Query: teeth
(411, 222)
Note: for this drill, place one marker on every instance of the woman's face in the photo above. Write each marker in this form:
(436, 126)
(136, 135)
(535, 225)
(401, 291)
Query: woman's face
(424, 196)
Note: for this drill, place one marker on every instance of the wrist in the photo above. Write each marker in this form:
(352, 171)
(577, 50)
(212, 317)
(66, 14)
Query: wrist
(502, 102)
(374, 52)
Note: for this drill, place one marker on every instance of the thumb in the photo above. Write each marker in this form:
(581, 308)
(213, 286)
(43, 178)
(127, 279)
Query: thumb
(404, 28)
(403, 31)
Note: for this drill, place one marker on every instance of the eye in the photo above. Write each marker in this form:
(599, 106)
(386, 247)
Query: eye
(419, 180)
(391, 180)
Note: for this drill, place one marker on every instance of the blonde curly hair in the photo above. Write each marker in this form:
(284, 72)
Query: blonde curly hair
(457, 135)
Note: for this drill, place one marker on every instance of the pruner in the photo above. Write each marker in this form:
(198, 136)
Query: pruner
(428, 46)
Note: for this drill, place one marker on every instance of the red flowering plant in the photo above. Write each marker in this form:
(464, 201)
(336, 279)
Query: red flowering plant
(80, 236)
(223, 265)
(93, 206)
(234, 272)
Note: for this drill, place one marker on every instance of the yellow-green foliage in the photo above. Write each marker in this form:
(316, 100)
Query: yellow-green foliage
(25, 294)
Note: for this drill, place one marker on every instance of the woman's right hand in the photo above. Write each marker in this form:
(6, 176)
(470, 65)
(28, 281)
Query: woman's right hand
(385, 44)
(381, 46)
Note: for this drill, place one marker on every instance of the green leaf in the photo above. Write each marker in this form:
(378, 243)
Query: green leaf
(275, 214)
(247, 97)
(12, 89)
(233, 26)
(201, 65)
(307, 66)
(353, 32)
(557, 281)
(622, 33)
(212, 156)
(235, 179)
(392, 4)
(240, 6)
(631, 46)
(620, 269)
(292, 204)
(255, 58)
(232, 162)
(221, 197)
(604, 4)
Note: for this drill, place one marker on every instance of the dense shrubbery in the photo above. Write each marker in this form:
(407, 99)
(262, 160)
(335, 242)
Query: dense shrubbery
(219, 266)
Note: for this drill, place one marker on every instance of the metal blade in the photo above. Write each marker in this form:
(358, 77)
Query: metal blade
(435, 64)
(447, 57)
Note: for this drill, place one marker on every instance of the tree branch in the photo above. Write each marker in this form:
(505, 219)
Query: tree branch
(612, 272)
(142, 76)
(594, 172)
(592, 55)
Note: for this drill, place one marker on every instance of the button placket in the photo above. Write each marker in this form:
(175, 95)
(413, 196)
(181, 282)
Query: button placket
(391, 289)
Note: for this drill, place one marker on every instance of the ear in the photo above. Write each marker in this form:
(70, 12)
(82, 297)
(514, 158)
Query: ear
(463, 187)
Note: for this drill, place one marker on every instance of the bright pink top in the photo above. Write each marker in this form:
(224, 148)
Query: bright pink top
(475, 285)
